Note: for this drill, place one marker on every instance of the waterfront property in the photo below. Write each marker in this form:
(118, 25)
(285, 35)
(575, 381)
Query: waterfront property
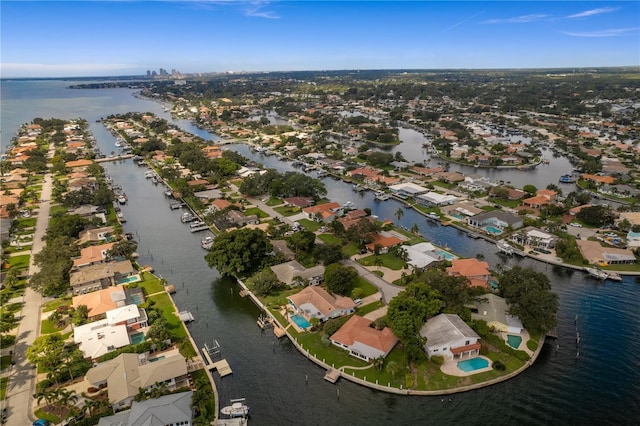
(534, 238)
(423, 255)
(596, 254)
(495, 311)
(472, 364)
(474, 270)
(363, 341)
(316, 302)
(450, 337)
(173, 409)
(496, 219)
(126, 374)
(292, 273)
(90, 278)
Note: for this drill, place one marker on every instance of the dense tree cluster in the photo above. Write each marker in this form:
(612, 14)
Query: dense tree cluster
(239, 253)
(283, 185)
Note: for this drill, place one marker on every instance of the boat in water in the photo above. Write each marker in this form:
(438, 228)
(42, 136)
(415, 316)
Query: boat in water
(597, 273)
(382, 196)
(433, 216)
(504, 247)
(207, 242)
(238, 408)
(186, 217)
(567, 179)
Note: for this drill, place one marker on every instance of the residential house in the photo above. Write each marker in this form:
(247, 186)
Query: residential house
(450, 337)
(407, 189)
(237, 218)
(98, 338)
(633, 239)
(475, 271)
(316, 302)
(280, 246)
(92, 254)
(363, 341)
(604, 256)
(300, 202)
(495, 311)
(96, 235)
(383, 241)
(353, 217)
(126, 374)
(100, 302)
(422, 255)
(173, 409)
(435, 199)
(497, 219)
(608, 180)
(98, 276)
(542, 198)
(534, 238)
(323, 212)
(288, 271)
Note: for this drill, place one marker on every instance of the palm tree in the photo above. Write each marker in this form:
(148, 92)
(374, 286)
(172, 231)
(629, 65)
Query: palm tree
(399, 213)
(378, 363)
(46, 394)
(377, 261)
(393, 368)
(66, 398)
(415, 228)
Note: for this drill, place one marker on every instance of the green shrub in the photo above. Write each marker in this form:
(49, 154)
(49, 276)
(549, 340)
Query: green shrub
(497, 365)
(357, 293)
(437, 359)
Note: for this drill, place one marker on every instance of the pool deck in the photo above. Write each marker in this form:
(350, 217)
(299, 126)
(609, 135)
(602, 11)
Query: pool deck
(450, 367)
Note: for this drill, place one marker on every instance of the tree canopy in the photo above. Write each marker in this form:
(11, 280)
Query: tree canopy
(240, 252)
(529, 294)
(340, 279)
(263, 282)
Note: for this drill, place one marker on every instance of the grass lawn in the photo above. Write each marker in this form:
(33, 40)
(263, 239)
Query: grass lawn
(635, 267)
(54, 304)
(330, 239)
(367, 288)
(256, 211)
(3, 388)
(274, 202)
(41, 414)
(310, 225)
(512, 204)
(27, 222)
(164, 305)
(279, 298)
(47, 327)
(56, 210)
(388, 260)
(364, 310)
(350, 249)
(331, 355)
(5, 361)
(150, 283)
(21, 261)
(287, 210)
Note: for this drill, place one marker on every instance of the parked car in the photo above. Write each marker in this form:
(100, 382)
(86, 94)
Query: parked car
(576, 224)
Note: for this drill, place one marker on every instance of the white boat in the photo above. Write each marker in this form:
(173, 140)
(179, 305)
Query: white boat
(207, 243)
(196, 223)
(597, 273)
(149, 174)
(122, 199)
(186, 217)
(237, 408)
(504, 247)
(433, 216)
(382, 196)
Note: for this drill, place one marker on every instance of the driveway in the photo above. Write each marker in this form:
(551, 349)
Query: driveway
(389, 291)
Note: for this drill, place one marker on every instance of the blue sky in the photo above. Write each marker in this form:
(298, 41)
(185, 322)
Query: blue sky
(90, 38)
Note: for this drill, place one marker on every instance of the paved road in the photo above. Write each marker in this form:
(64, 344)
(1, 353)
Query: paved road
(21, 385)
(389, 291)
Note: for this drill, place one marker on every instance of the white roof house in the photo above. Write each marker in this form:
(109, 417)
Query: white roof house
(125, 314)
(436, 199)
(421, 255)
(408, 188)
(98, 338)
(447, 335)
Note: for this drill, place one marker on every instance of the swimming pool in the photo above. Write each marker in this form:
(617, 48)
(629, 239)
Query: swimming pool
(131, 279)
(493, 230)
(457, 216)
(444, 254)
(514, 341)
(472, 364)
(136, 338)
(300, 321)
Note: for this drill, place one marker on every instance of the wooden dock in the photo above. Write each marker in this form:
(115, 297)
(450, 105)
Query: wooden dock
(222, 367)
(244, 293)
(185, 316)
(332, 375)
(279, 331)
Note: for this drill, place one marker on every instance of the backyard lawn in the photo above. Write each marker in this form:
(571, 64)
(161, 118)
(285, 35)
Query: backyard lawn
(331, 354)
(256, 211)
(164, 305)
(388, 260)
(310, 225)
(150, 283)
(330, 239)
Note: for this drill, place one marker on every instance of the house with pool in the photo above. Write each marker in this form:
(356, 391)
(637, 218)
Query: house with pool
(316, 302)
(494, 310)
(450, 337)
(494, 222)
(90, 278)
(364, 341)
(474, 270)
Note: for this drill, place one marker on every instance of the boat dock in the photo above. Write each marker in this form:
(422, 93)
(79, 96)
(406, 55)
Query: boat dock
(222, 367)
(176, 206)
(264, 322)
(332, 375)
(203, 227)
(237, 421)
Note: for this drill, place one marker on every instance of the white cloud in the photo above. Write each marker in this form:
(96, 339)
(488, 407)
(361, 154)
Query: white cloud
(593, 12)
(613, 32)
(518, 19)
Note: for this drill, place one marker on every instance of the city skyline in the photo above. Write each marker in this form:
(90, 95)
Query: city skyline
(72, 39)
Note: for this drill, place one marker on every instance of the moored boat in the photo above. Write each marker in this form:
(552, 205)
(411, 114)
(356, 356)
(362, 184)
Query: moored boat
(186, 217)
(567, 179)
(207, 242)
(504, 247)
(597, 273)
(238, 408)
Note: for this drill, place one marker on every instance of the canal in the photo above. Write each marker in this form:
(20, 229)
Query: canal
(283, 387)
